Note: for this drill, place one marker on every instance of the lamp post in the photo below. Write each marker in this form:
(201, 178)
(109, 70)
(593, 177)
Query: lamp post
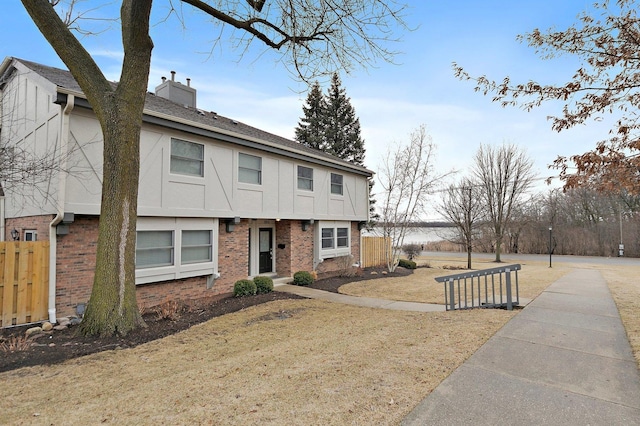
(550, 230)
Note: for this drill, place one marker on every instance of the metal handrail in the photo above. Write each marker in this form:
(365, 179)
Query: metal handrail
(470, 289)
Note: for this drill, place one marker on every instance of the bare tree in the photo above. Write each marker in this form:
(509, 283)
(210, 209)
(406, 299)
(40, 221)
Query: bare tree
(504, 173)
(315, 37)
(462, 206)
(407, 177)
(607, 44)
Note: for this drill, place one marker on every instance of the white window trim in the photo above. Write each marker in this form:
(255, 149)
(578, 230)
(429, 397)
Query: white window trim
(259, 171)
(298, 178)
(187, 175)
(32, 232)
(336, 194)
(179, 270)
(335, 251)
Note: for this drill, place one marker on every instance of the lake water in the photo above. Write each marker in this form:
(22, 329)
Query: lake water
(419, 235)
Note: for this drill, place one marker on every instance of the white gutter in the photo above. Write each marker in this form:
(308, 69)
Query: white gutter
(62, 190)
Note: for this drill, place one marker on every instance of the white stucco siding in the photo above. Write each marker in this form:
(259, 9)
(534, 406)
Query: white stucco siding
(219, 192)
(84, 180)
(31, 124)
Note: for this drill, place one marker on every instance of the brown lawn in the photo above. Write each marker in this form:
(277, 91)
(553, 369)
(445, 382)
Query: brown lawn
(288, 362)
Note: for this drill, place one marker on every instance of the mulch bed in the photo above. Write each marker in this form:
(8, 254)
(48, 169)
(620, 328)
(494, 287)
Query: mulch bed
(58, 346)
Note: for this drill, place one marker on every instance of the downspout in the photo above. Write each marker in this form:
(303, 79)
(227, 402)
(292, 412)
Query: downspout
(2, 221)
(62, 190)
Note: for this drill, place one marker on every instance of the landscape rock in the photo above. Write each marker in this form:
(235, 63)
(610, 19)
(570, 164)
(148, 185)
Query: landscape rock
(75, 321)
(47, 326)
(32, 331)
(63, 321)
(60, 327)
(374, 273)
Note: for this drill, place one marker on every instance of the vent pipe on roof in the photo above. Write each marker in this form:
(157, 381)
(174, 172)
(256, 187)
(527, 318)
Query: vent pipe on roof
(176, 91)
(163, 79)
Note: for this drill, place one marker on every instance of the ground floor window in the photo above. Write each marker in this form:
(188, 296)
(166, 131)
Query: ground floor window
(334, 239)
(174, 248)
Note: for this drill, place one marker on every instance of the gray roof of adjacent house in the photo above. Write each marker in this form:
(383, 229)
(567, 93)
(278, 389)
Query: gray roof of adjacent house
(205, 123)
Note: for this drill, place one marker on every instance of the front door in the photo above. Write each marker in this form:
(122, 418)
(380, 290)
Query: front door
(265, 244)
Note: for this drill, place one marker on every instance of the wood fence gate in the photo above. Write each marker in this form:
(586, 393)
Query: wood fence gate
(24, 282)
(375, 251)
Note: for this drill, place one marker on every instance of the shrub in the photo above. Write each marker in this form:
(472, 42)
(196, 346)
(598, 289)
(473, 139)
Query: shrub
(345, 266)
(15, 344)
(302, 278)
(408, 264)
(263, 284)
(412, 250)
(169, 310)
(244, 288)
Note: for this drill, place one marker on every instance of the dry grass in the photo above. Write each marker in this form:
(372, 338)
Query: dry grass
(422, 287)
(286, 362)
(625, 289)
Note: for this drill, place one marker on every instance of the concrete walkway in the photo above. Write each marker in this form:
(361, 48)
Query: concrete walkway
(369, 302)
(563, 360)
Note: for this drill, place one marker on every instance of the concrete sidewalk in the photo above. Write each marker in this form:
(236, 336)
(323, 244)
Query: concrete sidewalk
(369, 302)
(564, 360)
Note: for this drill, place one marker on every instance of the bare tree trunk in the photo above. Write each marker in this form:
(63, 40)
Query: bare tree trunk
(112, 308)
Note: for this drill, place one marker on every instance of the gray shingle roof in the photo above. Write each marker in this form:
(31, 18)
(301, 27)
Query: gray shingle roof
(64, 79)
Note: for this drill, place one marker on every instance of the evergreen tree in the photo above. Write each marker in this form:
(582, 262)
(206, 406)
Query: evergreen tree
(310, 130)
(330, 125)
(342, 127)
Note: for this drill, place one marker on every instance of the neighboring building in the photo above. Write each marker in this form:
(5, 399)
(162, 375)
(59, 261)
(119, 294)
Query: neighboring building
(218, 200)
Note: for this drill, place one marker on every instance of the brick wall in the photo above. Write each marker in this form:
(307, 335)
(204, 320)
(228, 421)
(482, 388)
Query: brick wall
(76, 257)
(233, 256)
(38, 223)
(75, 263)
(297, 254)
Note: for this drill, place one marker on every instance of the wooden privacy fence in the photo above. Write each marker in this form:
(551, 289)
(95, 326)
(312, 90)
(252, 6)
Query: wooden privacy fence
(24, 282)
(375, 250)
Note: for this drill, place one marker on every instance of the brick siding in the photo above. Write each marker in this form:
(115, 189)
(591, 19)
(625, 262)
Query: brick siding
(40, 224)
(76, 257)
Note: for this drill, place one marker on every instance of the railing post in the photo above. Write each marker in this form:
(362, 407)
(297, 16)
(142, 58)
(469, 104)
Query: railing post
(452, 300)
(508, 283)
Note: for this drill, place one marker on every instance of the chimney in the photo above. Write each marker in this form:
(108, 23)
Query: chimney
(176, 91)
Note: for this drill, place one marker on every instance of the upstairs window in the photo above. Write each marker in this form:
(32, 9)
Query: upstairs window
(305, 178)
(187, 158)
(336, 184)
(249, 169)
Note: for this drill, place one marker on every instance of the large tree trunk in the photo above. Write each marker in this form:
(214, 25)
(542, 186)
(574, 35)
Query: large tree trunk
(112, 307)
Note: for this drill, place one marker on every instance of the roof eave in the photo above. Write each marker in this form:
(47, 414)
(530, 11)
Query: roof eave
(166, 120)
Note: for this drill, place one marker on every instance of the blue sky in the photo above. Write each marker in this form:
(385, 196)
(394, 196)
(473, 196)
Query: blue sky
(390, 100)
